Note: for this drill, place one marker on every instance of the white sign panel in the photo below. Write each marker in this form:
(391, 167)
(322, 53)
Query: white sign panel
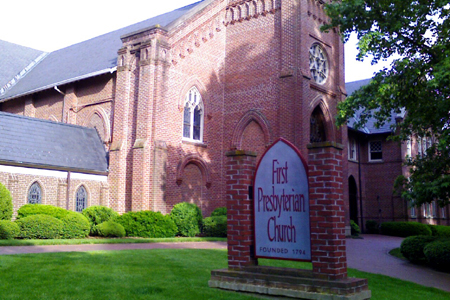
(281, 205)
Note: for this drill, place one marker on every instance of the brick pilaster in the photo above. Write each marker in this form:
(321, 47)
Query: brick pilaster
(240, 169)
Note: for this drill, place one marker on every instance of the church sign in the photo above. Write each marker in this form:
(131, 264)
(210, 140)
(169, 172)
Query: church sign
(281, 204)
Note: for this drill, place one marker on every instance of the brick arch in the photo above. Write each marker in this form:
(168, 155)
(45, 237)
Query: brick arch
(251, 116)
(189, 84)
(101, 113)
(329, 124)
(200, 163)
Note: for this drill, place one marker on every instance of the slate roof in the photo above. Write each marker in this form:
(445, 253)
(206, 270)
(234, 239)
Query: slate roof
(32, 142)
(369, 127)
(92, 57)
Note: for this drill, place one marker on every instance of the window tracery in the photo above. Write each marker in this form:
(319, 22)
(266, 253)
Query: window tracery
(193, 116)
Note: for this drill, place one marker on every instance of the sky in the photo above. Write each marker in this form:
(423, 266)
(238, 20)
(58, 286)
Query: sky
(50, 25)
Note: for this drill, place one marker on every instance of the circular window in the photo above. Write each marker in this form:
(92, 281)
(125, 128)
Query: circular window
(318, 63)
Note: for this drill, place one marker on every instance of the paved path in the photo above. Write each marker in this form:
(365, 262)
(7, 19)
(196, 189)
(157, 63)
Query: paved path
(370, 254)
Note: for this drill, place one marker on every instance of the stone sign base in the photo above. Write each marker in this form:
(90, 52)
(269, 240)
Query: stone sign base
(290, 283)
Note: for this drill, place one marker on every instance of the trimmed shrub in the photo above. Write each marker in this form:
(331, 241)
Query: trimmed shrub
(220, 211)
(404, 229)
(355, 228)
(438, 254)
(8, 230)
(412, 247)
(109, 229)
(215, 226)
(6, 206)
(41, 209)
(147, 224)
(99, 214)
(40, 227)
(440, 231)
(372, 227)
(188, 218)
(76, 226)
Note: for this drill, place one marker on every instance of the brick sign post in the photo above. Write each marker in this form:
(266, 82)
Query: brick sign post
(279, 211)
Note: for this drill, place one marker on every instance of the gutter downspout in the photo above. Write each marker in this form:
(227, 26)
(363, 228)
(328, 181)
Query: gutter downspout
(67, 191)
(64, 102)
(360, 189)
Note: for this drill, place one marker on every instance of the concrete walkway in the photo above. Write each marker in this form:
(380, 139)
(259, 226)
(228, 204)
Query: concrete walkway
(370, 254)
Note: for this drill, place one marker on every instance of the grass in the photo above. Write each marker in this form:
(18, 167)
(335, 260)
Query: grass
(397, 253)
(107, 241)
(151, 274)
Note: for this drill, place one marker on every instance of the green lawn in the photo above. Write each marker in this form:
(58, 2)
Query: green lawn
(150, 274)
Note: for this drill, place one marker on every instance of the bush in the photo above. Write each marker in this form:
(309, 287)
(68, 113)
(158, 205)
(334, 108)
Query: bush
(188, 218)
(355, 228)
(40, 227)
(215, 226)
(147, 224)
(404, 229)
(440, 231)
(41, 209)
(109, 229)
(220, 211)
(438, 254)
(372, 227)
(412, 247)
(99, 214)
(76, 226)
(6, 206)
(8, 230)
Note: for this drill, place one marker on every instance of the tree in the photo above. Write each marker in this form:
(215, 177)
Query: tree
(417, 34)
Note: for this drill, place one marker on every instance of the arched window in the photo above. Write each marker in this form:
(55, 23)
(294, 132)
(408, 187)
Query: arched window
(193, 116)
(317, 126)
(81, 199)
(35, 194)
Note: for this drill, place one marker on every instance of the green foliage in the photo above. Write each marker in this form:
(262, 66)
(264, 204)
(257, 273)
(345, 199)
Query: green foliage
(355, 228)
(109, 229)
(215, 226)
(76, 226)
(372, 227)
(6, 206)
(188, 218)
(404, 229)
(440, 231)
(412, 247)
(147, 224)
(416, 35)
(41, 209)
(8, 230)
(99, 214)
(40, 227)
(220, 211)
(438, 254)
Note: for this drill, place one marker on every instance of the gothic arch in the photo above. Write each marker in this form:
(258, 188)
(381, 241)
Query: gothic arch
(88, 195)
(251, 116)
(53, 118)
(42, 191)
(329, 124)
(200, 163)
(189, 84)
(101, 113)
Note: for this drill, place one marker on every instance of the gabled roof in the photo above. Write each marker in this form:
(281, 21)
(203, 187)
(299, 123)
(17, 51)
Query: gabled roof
(90, 58)
(369, 127)
(37, 143)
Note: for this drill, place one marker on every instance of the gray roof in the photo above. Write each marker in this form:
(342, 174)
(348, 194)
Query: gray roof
(92, 57)
(45, 144)
(369, 127)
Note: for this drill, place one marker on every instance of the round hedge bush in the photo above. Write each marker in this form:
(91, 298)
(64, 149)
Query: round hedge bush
(109, 229)
(220, 211)
(6, 206)
(215, 226)
(98, 214)
(40, 227)
(76, 226)
(404, 229)
(41, 209)
(440, 231)
(438, 254)
(188, 218)
(372, 227)
(8, 230)
(412, 247)
(147, 224)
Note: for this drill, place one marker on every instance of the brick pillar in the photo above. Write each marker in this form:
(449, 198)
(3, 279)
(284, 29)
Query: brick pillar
(327, 210)
(240, 170)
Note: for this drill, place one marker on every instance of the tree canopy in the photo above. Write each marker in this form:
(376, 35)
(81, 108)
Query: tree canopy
(416, 33)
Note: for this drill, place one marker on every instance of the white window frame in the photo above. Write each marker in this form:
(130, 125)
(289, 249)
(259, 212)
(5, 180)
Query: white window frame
(77, 199)
(192, 101)
(370, 150)
(408, 148)
(352, 149)
(413, 211)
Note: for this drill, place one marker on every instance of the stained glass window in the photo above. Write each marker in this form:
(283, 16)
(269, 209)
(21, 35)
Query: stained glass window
(35, 194)
(81, 199)
(193, 116)
(317, 126)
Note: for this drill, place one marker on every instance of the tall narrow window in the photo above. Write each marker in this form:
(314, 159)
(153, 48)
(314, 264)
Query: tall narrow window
(317, 126)
(35, 194)
(375, 151)
(351, 149)
(81, 199)
(408, 148)
(193, 116)
(442, 212)
(413, 212)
